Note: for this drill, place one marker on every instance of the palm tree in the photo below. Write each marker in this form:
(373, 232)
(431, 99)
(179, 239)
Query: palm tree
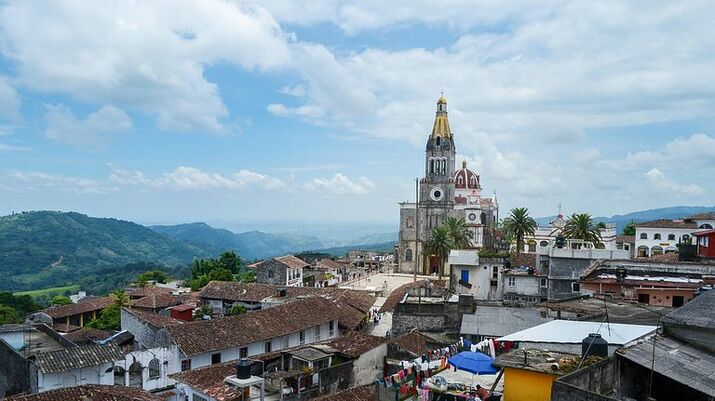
(439, 245)
(518, 225)
(458, 231)
(581, 226)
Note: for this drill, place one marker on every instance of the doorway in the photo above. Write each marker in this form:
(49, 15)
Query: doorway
(678, 301)
(645, 298)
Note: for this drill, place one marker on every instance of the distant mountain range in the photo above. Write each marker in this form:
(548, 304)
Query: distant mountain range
(46, 249)
(621, 220)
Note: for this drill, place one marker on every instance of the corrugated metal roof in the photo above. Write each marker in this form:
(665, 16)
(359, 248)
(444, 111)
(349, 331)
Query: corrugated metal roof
(573, 332)
(500, 321)
(676, 361)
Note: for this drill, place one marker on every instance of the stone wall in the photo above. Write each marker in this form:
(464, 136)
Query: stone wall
(271, 272)
(594, 383)
(145, 335)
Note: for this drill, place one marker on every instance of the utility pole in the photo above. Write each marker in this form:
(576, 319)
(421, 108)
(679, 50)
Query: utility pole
(417, 230)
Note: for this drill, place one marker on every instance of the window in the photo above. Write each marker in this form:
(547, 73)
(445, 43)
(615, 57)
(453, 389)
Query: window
(320, 364)
(317, 333)
(408, 255)
(215, 358)
(532, 246)
(460, 181)
(302, 337)
(543, 282)
(644, 236)
(656, 236)
(186, 365)
(671, 237)
(299, 364)
(267, 346)
(544, 243)
(154, 369)
(495, 272)
(473, 181)
(706, 225)
(332, 328)
(286, 341)
(512, 281)
(465, 276)
(270, 274)
(431, 166)
(439, 140)
(243, 352)
(575, 287)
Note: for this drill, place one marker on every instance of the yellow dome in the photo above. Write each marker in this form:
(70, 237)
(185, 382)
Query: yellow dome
(442, 100)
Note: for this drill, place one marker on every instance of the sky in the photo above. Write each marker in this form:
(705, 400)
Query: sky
(180, 111)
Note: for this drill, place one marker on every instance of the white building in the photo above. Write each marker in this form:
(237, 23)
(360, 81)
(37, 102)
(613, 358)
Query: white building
(662, 236)
(480, 277)
(545, 237)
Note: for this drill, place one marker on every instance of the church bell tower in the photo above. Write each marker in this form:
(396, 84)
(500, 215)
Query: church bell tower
(437, 186)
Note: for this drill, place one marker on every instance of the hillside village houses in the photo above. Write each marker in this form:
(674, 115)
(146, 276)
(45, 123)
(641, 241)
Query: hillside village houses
(535, 312)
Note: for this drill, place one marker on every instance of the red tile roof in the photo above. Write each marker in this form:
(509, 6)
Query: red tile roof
(355, 343)
(154, 319)
(156, 301)
(292, 261)
(210, 380)
(90, 392)
(87, 335)
(331, 264)
(234, 331)
(665, 223)
(141, 292)
(413, 342)
(88, 304)
(626, 239)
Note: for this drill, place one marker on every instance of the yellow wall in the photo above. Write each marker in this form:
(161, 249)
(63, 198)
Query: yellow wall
(525, 385)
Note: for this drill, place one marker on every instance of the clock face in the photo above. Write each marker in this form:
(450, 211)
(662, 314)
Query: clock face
(436, 194)
(472, 216)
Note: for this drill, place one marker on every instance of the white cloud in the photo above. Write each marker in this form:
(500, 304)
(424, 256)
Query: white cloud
(190, 178)
(664, 184)
(20, 181)
(340, 184)
(96, 130)
(9, 101)
(8, 147)
(146, 56)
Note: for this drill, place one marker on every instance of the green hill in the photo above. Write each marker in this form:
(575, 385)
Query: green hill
(45, 248)
(250, 245)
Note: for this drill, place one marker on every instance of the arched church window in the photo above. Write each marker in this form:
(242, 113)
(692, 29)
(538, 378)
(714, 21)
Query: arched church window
(439, 140)
(154, 369)
(444, 166)
(473, 181)
(483, 218)
(460, 180)
(431, 166)
(408, 255)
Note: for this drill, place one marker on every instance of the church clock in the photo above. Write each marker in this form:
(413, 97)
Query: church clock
(437, 194)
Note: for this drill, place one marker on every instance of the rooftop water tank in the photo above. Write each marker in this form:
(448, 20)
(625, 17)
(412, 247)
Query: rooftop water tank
(594, 344)
(243, 369)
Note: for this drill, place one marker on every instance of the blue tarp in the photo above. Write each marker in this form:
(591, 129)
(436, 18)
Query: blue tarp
(473, 362)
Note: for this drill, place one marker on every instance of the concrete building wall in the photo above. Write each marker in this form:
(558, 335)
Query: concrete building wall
(368, 366)
(145, 335)
(588, 384)
(101, 374)
(17, 375)
(271, 273)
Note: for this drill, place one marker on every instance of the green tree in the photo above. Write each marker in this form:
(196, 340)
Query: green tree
(220, 274)
(439, 245)
(248, 277)
(120, 298)
(60, 300)
(630, 228)
(601, 225)
(458, 231)
(237, 310)
(581, 226)
(153, 275)
(230, 261)
(8, 315)
(518, 225)
(109, 319)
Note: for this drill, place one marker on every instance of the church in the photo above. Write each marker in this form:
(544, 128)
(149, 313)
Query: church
(443, 192)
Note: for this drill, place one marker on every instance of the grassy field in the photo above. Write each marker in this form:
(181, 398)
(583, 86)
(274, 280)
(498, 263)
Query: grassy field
(50, 292)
